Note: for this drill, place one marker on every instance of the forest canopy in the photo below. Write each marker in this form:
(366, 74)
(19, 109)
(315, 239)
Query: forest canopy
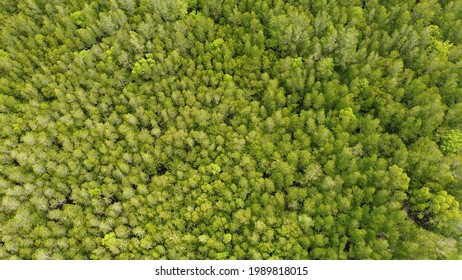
(227, 129)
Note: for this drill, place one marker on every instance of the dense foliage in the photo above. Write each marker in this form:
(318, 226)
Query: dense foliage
(217, 129)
